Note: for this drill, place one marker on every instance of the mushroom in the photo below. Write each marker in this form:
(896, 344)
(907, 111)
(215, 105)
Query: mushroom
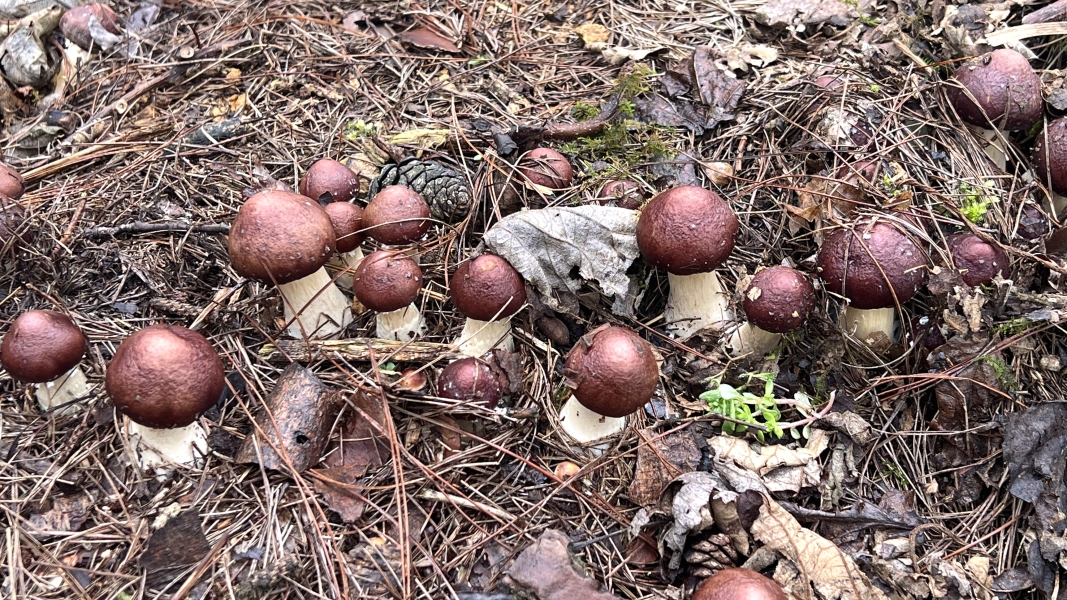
(329, 180)
(876, 267)
(546, 168)
(396, 216)
(738, 584)
(624, 193)
(613, 373)
(487, 290)
(163, 377)
(777, 301)
(45, 347)
(1050, 162)
(347, 219)
(11, 183)
(689, 231)
(978, 261)
(996, 93)
(472, 380)
(284, 238)
(76, 23)
(388, 282)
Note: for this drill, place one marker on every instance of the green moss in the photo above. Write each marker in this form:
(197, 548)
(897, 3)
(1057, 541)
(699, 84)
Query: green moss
(975, 201)
(583, 111)
(1005, 377)
(634, 83)
(1013, 327)
(355, 130)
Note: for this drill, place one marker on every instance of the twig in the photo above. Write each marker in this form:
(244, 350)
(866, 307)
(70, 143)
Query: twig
(437, 496)
(165, 226)
(1053, 12)
(357, 350)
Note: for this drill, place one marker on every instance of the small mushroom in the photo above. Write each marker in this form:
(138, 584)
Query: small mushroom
(474, 380)
(624, 193)
(329, 180)
(978, 261)
(487, 290)
(389, 283)
(613, 373)
(347, 221)
(777, 301)
(76, 23)
(1050, 162)
(546, 168)
(738, 584)
(396, 216)
(11, 183)
(45, 347)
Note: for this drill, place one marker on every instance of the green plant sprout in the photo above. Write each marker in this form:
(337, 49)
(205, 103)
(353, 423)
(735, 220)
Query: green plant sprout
(976, 200)
(743, 409)
(359, 129)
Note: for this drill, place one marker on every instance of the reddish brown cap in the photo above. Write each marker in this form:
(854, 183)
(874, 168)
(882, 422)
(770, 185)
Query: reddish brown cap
(1007, 90)
(11, 183)
(396, 215)
(546, 167)
(686, 230)
(280, 236)
(738, 584)
(869, 262)
(347, 220)
(979, 262)
(1050, 156)
(331, 179)
(471, 380)
(624, 193)
(41, 345)
(779, 299)
(487, 288)
(75, 23)
(612, 371)
(164, 376)
(386, 281)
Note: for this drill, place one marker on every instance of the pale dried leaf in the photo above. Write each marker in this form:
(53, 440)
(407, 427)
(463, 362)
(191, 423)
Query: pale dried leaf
(741, 56)
(691, 507)
(616, 55)
(424, 138)
(546, 568)
(782, 13)
(781, 468)
(593, 35)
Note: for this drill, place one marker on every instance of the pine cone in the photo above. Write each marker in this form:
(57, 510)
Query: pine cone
(711, 555)
(443, 188)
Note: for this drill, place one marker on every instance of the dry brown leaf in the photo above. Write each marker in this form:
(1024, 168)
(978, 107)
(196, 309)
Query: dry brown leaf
(594, 35)
(66, 514)
(781, 468)
(360, 448)
(546, 568)
(429, 40)
(651, 475)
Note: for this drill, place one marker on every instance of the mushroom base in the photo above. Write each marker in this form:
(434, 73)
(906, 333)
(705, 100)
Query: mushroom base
(1059, 205)
(324, 311)
(995, 144)
(345, 263)
(585, 426)
(750, 339)
(67, 388)
(156, 448)
(696, 302)
(863, 324)
(402, 325)
(479, 337)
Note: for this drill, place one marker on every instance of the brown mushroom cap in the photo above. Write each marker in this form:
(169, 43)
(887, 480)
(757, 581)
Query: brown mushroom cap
(686, 230)
(347, 220)
(1050, 165)
(11, 183)
(738, 584)
(612, 371)
(75, 23)
(779, 299)
(487, 288)
(329, 178)
(164, 376)
(546, 167)
(1006, 88)
(979, 262)
(624, 193)
(280, 236)
(386, 281)
(471, 380)
(396, 215)
(852, 262)
(41, 345)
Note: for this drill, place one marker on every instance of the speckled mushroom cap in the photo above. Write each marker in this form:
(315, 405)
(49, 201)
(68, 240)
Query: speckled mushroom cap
(852, 261)
(738, 584)
(11, 183)
(779, 299)
(546, 167)
(164, 376)
(329, 178)
(1006, 88)
(347, 221)
(612, 371)
(41, 345)
(624, 193)
(396, 215)
(471, 380)
(978, 261)
(686, 230)
(487, 288)
(1050, 165)
(386, 281)
(279, 237)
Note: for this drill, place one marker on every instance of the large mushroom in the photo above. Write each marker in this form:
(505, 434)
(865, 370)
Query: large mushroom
(163, 377)
(389, 283)
(45, 347)
(738, 584)
(997, 92)
(284, 238)
(613, 373)
(877, 268)
(347, 220)
(777, 301)
(396, 216)
(487, 290)
(689, 231)
(1050, 162)
(978, 261)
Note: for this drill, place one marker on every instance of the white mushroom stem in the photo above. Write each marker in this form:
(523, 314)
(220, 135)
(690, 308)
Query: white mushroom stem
(996, 141)
(584, 425)
(479, 337)
(161, 447)
(1059, 205)
(862, 324)
(402, 325)
(68, 387)
(696, 302)
(750, 339)
(323, 310)
(346, 263)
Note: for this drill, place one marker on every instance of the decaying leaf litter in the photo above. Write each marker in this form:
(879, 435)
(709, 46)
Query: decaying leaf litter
(909, 485)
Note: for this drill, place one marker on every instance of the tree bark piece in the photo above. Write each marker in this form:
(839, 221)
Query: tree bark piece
(357, 350)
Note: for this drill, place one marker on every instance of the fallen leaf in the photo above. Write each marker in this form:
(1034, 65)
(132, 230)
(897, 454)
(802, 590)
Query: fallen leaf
(1035, 453)
(359, 449)
(428, 39)
(66, 514)
(546, 568)
(799, 13)
(23, 57)
(718, 88)
(782, 468)
(691, 508)
(424, 138)
(616, 55)
(593, 35)
(680, 452)
(177, 545)
(740, 57)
